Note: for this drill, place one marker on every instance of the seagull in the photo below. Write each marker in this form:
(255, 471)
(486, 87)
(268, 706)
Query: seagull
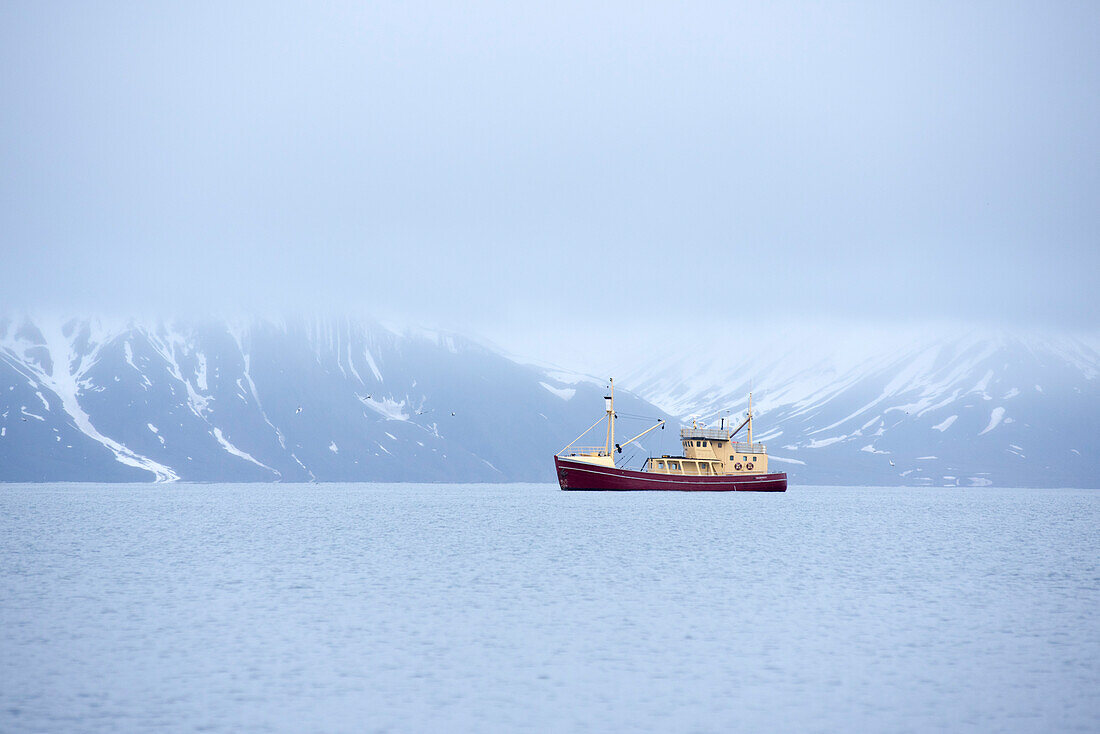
(368, 397)
(452, 412)
(891, 462)
(298, 411)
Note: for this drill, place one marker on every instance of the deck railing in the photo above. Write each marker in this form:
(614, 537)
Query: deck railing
(719, 434)
(580, 450)
(714, 434)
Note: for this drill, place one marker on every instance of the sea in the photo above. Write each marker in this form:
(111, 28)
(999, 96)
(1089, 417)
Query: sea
(521, 608)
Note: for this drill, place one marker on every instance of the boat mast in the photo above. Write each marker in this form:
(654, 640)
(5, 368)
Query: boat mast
(750, 421)
(609, 405)
(612, 412)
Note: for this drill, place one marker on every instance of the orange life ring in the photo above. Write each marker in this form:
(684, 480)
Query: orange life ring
(749, 466)
(737, 466)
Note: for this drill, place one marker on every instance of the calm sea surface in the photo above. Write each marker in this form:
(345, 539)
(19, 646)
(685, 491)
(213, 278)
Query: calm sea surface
(519, 607)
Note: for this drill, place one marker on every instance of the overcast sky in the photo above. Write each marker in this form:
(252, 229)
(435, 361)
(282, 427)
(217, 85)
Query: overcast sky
(511, 166)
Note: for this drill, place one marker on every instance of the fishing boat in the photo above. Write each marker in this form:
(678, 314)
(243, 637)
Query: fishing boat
(712, 461)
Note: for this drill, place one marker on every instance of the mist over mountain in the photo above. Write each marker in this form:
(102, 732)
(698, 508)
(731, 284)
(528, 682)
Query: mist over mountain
(548, 178)
(263, 400)
(345, 400)
(936, 405)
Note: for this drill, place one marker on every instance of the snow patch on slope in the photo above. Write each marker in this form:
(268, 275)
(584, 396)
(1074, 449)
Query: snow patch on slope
(994, 420)
(388, 408)
(229, 447)
(64, 382)
(947, 423)
(565, 393)
(784, 460)
(823, 442)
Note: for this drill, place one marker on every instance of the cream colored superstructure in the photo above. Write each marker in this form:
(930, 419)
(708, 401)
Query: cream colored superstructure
(709, 451)
(713, 452)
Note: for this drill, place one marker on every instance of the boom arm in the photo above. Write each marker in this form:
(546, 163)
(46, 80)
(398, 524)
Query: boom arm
(619, 446)
(741, 426)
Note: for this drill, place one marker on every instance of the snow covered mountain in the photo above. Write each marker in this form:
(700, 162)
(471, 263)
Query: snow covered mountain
(342, 400)
(935, 406)
(331, 400)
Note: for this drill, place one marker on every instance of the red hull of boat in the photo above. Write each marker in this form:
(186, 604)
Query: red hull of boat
(577, 475)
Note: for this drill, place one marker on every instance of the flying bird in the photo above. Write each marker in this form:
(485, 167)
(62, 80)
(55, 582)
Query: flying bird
(298, 411)
(891, 462)
(452, 412)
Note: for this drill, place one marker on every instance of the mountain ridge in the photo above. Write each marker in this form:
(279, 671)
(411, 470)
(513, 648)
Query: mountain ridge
(265, 400)
(341, 399)
(930, 406)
